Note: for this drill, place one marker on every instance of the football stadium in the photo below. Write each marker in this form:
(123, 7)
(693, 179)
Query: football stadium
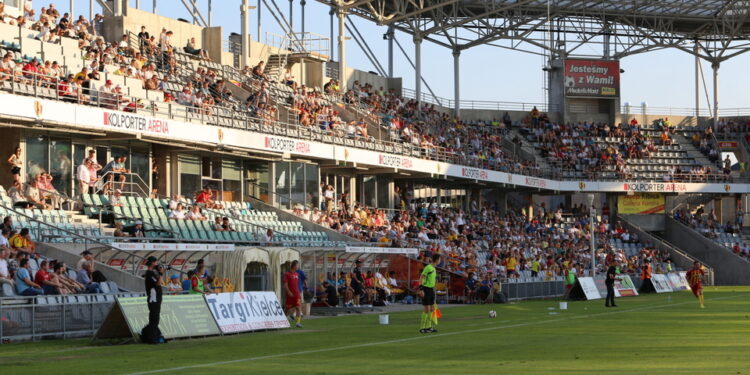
(374, 186)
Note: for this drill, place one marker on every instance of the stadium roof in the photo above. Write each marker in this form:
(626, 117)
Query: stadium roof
(712, 29)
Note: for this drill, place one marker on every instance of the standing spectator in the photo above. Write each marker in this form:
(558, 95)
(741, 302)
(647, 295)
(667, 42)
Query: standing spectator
(24, 285)
(85, 178)
(15, 164)
(358, 282)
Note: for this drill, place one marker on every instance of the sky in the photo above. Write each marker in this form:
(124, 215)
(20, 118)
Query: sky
(661, 79)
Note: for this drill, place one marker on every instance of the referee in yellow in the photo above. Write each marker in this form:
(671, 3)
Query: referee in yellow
(427, 291)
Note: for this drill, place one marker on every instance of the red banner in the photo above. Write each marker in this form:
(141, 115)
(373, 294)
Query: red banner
(592, 78)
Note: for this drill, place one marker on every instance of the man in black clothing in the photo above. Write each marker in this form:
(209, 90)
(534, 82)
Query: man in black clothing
(151, 333)
(358, 282)
(331, 298)
(610, 281)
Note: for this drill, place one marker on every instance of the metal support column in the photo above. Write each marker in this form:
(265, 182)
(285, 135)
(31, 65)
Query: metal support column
(418, 67)
(117, 8)
(330, 45)
(291, 15)
(91, 10)
(341, 12)
(592, 216)
(303, 3)
(154, 7)
(456, 83)
(715, 67)
(138, 4)
(257, 37)
(390, 35)
(72, 9)
(195, 12)
(210, 11)
(697, 84)
(245, 28)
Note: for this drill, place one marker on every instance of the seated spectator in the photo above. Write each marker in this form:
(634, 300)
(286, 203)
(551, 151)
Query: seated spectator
(60, 274)
(192, 48)
(116, 199)
(331, 298)
(268, 236)
(197, 283)
(178, 213)
(22, 242)
(25, 286)
(17, 194)
(137, 229)
(34, 196)
(226, 227)
(50, 285)
(118, 230)
(218, 226)
(86, 257)
(174, 286)
(195, 214)
(84, 278)
(4, 266)
(187, 283)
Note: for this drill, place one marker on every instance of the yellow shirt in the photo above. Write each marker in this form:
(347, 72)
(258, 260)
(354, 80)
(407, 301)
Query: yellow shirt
(18, 242)
(512, 263)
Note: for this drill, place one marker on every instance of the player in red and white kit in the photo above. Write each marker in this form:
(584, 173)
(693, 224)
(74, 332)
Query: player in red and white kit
(293, 301)
(694, 277)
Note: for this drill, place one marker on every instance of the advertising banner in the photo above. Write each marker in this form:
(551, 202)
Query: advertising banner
(382, 250)
(601, 286)
(154, 246)
(592, 78)
(625, 287)
(661, 283)
(678, 281)
(181, 316)
(641, 203)
(589, 288)
(247, 311)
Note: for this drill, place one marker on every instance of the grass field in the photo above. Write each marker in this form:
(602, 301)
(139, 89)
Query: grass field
(650, 334)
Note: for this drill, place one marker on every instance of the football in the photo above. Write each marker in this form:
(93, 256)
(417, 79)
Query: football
(493, 314)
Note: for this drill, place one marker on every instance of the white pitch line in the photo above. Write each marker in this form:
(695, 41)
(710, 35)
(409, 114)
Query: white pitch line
(407, 339)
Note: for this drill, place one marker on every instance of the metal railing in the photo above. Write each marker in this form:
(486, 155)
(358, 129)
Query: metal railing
(449, 104)
(45, 317)
(133, 181)
(95, 245)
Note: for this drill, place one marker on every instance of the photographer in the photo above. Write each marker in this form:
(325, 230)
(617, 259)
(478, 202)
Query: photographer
(151, 333)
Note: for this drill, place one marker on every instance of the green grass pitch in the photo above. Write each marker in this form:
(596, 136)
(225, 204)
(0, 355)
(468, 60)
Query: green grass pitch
(651, 334)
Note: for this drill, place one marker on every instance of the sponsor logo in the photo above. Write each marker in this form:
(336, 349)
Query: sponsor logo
(727, 187)
(477, 174)
(581, 185)
(394, 161)
(536, 182)
(128, 121)
(247, 307)
(38, 109)
(287, 145)
(654, 187)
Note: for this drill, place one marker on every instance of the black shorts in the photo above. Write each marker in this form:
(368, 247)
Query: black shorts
(429, 296)
(15, 170)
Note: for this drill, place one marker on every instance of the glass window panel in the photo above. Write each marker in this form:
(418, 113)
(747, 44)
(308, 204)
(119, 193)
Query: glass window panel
(190, 164)
(189, 184)
(297, 181)
(140, 166)
(312, 189)
(281, 178)
(231, 169)
(256, 179)
(37, 155)
(61, 167)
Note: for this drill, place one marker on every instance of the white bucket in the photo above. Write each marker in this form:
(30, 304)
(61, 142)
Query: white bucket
(383, 318)
(563, 305)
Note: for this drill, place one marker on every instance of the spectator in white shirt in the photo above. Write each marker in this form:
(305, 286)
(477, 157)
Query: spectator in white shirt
(178, 213)
(83, 175)
(4, 272)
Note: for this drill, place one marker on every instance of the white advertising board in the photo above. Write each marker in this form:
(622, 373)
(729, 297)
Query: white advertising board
(589, 288)
(246, 311)
(661, 283)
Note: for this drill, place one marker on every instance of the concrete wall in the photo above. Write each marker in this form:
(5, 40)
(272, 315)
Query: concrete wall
(681, 121)
(729, 268)
(375, 80)
(210, 39)
(651, 223)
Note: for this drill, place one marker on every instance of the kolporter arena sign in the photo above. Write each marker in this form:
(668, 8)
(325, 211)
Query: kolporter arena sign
(247, 311)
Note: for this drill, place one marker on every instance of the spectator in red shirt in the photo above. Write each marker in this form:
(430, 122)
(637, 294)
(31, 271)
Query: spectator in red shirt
(31, 69)
(45, 280)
